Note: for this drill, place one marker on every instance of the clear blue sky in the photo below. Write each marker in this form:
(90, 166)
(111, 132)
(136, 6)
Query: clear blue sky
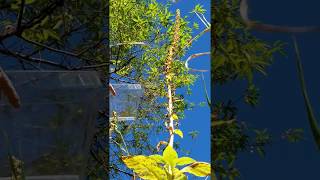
(281, 106)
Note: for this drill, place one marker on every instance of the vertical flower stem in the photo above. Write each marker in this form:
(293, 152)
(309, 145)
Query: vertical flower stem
(169, 75)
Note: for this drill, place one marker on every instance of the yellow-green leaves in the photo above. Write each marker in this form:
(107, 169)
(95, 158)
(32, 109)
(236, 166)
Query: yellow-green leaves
(174, 116)
(170, 156)
(158, 158)
(178, 175)
(164, 167)
(144, 167)
(184, 161)
(200, 169)
(178, 132)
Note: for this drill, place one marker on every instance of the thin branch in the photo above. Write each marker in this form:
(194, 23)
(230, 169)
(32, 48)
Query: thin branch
(92, 46)
(49, 48)
(130, 43)
(204, 18)
(8, 89)
(201, 20)
(197, 36)
(270, 27)
(32, 59)
(195, 56)
(20, 14)
(94, 66)
(57, 50)
(36, 20)
(124, 172)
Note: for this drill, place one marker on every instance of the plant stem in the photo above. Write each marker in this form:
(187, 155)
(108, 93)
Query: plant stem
(169, 76)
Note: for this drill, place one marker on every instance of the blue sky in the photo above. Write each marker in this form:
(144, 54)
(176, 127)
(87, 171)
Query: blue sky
(281, 105)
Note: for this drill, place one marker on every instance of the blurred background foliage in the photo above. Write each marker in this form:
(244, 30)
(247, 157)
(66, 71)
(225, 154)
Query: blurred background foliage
(237, 56)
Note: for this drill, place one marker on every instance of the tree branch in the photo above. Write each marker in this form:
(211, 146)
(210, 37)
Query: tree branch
(32, 59)
(130, 43)
(8, 89)
(37, 19)
(272, 28)
(20, 15)
(195, 56)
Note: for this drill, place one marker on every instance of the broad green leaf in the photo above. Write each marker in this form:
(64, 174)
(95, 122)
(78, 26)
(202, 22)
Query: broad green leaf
(178, 132)
(157, 158)
(170, 156)
(144, 167)
(178, 175)
(184, 161)
(200, 169)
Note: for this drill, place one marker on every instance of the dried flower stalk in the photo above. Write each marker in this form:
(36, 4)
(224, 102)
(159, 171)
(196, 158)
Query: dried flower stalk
(169, 74)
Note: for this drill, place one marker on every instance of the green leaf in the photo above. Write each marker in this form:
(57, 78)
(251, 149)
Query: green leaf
(170, 156)
(174, 117)
(144, 167)
(178, 132)
(200, 169)
(195, 25)
(53, 34)
(221, 122)
(58, 24)
(158, 158)
(29, 1)
(193, 134)
(199, 9)
(184, 161)
(178, 175)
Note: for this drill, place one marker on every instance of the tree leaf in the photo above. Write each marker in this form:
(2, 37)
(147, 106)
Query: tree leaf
(144, 167)
(175, 117)
(200, 169)
(178, 175)
(184, 161)
(178, 132)
(170, 156)
(158, 158)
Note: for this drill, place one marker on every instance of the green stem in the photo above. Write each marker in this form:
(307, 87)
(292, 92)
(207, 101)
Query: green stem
(311, 117)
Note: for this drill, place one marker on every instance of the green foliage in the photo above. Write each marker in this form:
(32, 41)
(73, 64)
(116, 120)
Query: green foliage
(193, 134)
(262, 138)
(17, 168)
(178, 132)
(293, 135)
(251, 95)
(199, 9)
(236, 56)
